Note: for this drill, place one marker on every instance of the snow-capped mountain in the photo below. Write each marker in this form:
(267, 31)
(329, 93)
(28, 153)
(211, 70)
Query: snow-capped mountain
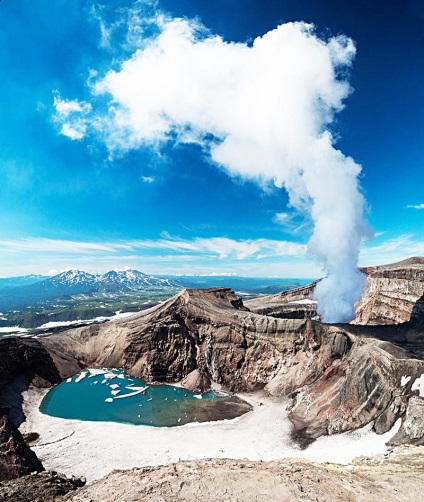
(71, 284)
(72, 278)
(136, 280)
(114, 280)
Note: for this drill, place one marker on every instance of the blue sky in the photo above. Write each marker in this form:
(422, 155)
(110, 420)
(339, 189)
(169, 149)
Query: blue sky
(77, 200)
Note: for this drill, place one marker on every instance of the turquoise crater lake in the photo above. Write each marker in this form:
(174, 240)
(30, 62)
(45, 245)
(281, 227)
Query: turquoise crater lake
(113, 396)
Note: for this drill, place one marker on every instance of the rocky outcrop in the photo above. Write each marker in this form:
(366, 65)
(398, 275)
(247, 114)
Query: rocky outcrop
(42, 487)
(391, 292)
(396, 478)
(364, 385)
(16, 458)
(293, 304)
(27, 358)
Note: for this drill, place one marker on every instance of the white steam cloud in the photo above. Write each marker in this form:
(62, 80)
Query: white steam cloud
(260, 111)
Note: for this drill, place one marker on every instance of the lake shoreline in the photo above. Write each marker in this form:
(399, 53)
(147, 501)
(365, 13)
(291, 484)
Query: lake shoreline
(93, 449)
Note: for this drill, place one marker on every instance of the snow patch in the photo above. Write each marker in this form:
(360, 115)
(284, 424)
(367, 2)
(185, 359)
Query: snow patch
(13, 329)
(419, 385)
(404, 380)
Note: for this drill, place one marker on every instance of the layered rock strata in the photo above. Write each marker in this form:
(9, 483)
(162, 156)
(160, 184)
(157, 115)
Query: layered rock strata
(391, 292)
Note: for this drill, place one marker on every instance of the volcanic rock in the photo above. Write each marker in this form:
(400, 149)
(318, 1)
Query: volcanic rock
(391, 292)
(42, 487)
(16, 458)
(398, 478)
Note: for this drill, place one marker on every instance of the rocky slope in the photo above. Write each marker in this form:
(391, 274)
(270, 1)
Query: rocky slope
(391, 292)
(399, 477)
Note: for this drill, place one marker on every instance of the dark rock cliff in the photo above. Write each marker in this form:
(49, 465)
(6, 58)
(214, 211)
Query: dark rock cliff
(27, 358)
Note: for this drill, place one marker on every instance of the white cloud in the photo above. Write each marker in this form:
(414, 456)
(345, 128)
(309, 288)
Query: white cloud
(75, 131)
(218, 247)
(66, 107)
(416, 206)
(259, 111)
(71, 115)
(148, 179)
(392, 250)
(282, 218)
(260, 257)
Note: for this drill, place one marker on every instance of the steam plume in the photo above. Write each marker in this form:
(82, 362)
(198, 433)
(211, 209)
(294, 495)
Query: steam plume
(260, 111)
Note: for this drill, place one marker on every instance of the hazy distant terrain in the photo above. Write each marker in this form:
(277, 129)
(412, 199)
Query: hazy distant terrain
(34, 300)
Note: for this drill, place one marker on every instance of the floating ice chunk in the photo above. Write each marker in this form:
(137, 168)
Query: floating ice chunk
(108, 400)
(131, 393)
(110, 376)
(114, 386)
(122, 377)
(81, 376)
(115, 392)
(96, 382)
(69, 380)
(104, 381)
(96, 371)
(404, 380)
(419, 385)
(150, 398)
(198, 396)
(133, 387)
(179, 420)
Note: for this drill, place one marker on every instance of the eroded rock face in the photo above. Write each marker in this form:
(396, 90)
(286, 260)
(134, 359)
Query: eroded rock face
(390, 296)
(42, 487)
(16, 458)
(391, 292)
(293, 304)
(29, 359)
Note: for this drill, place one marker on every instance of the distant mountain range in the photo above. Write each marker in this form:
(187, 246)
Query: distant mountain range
(21, 292)
(35, 300)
